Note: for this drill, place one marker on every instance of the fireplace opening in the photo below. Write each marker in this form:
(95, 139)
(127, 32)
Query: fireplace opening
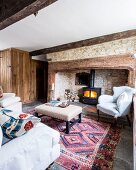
(90, 94)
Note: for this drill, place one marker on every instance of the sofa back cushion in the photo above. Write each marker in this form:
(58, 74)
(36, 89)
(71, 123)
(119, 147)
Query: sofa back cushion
(14, 124)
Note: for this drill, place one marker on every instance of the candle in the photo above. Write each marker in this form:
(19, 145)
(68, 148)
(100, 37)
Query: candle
(52, 88)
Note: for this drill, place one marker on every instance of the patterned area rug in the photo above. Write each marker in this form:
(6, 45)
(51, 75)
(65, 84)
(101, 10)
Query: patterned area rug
(89, 146)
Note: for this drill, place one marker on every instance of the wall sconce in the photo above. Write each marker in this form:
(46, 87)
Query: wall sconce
(52, 87)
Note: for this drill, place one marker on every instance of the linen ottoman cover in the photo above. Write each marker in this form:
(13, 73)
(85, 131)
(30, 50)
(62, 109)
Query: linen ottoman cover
(65, 114)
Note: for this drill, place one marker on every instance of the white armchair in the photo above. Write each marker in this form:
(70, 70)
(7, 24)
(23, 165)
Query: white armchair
(117, 105)
(10, 101)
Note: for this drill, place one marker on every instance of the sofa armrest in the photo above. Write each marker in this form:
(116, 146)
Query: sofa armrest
(9, 101)
(7, 95)
(105, 99)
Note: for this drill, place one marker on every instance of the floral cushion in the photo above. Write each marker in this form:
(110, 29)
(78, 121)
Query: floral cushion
(1, 92)
(14, 124)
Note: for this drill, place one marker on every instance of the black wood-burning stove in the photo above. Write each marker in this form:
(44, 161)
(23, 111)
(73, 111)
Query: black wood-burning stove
(90, 94)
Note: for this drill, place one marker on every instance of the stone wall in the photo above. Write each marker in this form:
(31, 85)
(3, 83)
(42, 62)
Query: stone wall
(122, 46)
(106, 79)
(66, 80)
(115, 55)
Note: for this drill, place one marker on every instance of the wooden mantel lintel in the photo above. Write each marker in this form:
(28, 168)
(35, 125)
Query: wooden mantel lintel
(125, 61)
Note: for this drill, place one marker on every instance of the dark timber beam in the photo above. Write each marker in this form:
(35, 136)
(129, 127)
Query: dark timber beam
(87, 42)
(12, 11)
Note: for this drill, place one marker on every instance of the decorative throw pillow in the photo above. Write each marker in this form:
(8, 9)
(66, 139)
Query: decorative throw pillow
(14, 124)
(1, 137)
(1, 92)
(121, 100)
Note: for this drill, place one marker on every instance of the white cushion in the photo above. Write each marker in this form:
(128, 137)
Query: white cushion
(15, 125)
(9, 101)
(1, 136)
(121, 99)
(124, 102)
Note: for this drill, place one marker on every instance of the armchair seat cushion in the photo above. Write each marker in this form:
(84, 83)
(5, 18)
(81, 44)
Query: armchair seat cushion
(109, 108)
(9, 101)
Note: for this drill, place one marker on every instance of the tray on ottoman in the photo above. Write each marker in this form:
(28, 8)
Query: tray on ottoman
(67, 114)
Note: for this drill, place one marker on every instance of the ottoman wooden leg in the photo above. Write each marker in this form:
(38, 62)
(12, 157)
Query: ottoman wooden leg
(98, 113)
(80, 117)
(36, 114)
(67, 127)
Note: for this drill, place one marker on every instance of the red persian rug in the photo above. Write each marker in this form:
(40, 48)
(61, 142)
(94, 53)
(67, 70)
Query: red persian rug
(89, 146)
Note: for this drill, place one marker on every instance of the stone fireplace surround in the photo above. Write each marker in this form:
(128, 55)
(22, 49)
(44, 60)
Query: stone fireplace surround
(114, 62)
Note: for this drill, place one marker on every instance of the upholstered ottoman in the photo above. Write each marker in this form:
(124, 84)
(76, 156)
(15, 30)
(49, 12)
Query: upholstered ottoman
(66, 114)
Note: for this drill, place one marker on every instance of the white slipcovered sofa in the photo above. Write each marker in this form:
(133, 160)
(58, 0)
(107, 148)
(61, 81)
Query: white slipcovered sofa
(35, 150)
(11, 101)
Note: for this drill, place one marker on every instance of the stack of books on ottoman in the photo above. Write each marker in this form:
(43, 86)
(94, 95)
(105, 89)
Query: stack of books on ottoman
(56, 103)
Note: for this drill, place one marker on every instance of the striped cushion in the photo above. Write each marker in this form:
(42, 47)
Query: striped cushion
(14, 124)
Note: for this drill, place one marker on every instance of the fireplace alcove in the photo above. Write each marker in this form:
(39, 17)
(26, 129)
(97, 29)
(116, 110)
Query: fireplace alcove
(116, 63)
(90, 94)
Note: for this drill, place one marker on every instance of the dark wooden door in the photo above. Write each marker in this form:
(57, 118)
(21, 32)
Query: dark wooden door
(41, 80)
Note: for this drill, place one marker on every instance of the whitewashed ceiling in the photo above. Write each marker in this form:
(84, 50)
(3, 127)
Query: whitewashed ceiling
(68, 21)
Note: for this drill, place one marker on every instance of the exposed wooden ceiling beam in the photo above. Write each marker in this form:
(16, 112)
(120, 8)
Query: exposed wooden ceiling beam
(87, 42)
(12, 11)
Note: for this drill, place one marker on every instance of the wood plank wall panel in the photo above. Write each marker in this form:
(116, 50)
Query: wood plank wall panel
(15, 73)
(5, 71)
(18, 74)
(26, 76)
(33, 80)
(21, 74)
